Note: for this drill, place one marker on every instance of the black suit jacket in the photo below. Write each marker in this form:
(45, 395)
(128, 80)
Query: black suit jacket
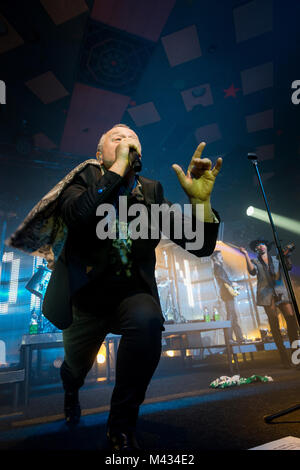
(85, 257)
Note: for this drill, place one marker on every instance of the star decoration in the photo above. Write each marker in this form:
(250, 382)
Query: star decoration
(231, 91)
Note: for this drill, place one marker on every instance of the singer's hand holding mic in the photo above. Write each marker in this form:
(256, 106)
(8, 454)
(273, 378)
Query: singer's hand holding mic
(128, 154)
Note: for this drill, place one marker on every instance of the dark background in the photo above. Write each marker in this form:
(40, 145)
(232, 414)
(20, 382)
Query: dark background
(74, 68)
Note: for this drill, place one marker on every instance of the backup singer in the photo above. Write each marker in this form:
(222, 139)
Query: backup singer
(100, 286)
(271, 292)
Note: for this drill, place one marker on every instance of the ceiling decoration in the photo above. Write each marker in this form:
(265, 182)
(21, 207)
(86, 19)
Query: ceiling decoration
(178, 72)
(112, 59)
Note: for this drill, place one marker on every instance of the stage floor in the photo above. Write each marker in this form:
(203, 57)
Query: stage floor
(180, 414)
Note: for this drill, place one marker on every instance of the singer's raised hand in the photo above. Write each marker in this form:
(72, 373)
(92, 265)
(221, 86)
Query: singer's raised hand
(199, 180)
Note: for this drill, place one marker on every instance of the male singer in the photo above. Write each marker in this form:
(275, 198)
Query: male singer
(111, 282)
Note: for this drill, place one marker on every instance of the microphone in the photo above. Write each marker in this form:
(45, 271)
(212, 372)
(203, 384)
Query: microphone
(134, 160)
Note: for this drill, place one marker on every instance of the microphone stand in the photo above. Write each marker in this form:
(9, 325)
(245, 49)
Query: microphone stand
(254, 159)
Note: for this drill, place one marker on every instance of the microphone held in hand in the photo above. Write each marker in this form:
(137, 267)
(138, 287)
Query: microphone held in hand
(134, 160)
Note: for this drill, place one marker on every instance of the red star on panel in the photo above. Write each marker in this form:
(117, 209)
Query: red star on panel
(231, 91)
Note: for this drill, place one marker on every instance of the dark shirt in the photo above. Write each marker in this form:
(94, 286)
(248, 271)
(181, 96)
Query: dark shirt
(122, 277)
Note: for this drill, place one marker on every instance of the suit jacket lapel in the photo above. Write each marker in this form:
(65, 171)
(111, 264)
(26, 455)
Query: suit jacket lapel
(148, 190)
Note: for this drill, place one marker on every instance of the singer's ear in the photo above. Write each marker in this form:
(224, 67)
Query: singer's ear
(99, 156)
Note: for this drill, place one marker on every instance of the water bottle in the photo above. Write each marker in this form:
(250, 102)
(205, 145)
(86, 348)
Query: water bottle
(33, 326)
(206, 315)
(216, 314)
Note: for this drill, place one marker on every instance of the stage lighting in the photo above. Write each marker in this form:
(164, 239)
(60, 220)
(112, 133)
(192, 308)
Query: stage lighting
(279, 220)
(38, 283)
(170, 353)
(100, 359)
(101, 356)
(250, 210)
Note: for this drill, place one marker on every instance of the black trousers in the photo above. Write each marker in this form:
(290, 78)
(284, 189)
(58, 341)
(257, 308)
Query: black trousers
(136, 316)
(292, 328)
(232, 316)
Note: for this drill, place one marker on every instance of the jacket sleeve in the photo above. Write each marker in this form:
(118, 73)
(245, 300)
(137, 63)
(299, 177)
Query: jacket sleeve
(255, 270)
(79, 201)
(210, 230)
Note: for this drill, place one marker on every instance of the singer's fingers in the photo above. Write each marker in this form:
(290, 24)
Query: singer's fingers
(133, 142)
(199, 166)
(202, 163)
(199, 150)
(217, 167)
(197, 154)
(180, 173)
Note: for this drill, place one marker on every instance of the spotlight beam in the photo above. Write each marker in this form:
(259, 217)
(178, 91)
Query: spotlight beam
(281, 221)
